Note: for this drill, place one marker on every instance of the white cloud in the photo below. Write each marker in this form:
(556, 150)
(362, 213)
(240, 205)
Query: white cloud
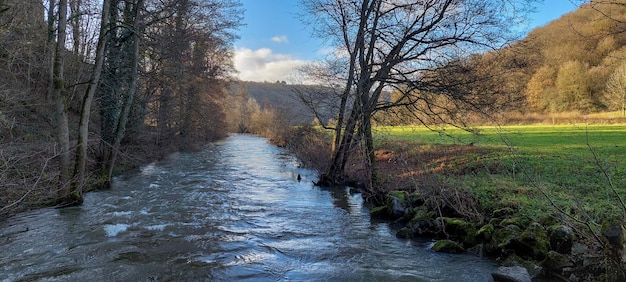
(280, 39)
(264, 65)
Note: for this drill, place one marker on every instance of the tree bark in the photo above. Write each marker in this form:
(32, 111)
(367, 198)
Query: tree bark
(130, 94)
(83, 131)
(60, 108)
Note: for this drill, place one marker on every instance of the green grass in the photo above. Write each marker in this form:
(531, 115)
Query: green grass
(525, 160)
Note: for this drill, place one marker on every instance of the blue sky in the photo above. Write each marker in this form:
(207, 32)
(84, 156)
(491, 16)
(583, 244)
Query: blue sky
(274, 41)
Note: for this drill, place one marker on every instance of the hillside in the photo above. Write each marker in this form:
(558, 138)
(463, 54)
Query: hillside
(284, 99)
(571, 63)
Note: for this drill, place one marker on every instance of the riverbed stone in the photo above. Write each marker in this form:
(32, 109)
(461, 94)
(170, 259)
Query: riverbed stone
(511, 274)
(556, 261)
(485, 233)
(533, 268)
(397, 203)
(423, 222)
(535, 237)
(459, 228)
(561, 238)
(404, 233)
(504, 238)
(448, 246)
(378, 211)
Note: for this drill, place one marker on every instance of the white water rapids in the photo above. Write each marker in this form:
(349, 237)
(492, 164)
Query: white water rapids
(232, 212)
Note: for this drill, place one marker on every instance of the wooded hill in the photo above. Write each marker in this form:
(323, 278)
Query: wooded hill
(575, 63)
(285, 99)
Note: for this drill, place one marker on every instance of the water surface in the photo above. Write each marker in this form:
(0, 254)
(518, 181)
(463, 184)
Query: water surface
(234, 211)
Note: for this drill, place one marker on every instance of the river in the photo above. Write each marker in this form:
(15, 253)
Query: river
(232, 212)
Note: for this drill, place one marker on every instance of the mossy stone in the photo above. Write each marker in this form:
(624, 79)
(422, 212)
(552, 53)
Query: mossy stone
(448, 246)
(504, 237)
(613, 230)
(416, 199)
(397, 204)
(423, 222)
(404, 233)
(512, 221)
(378, 211)
(402, 195)
(485, 232)
(531, 266)
(556, 261)
(461, 229)
(561, 238)
(536, 238)
(502, 213)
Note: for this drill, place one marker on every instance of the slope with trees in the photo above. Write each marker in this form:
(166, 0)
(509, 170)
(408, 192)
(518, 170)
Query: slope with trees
(58, 58)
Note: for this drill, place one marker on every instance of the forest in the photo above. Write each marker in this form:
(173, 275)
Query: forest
(91, 87)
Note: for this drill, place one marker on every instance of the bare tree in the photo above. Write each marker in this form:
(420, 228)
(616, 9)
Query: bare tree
(57, 95)
(615, 92)
(83, 130)
(404, 45)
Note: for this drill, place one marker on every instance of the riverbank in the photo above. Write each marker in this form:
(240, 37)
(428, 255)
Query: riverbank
(544, 197)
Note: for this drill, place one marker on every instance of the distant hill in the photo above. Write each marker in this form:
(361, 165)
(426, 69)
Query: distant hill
(284, 98)
(563, 66)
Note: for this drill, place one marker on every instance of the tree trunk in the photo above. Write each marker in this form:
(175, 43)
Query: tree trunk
(60, 109)
(130, 94)
(83, 131)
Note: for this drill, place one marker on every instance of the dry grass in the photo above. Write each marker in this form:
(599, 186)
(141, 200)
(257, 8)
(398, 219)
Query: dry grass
(562, 118)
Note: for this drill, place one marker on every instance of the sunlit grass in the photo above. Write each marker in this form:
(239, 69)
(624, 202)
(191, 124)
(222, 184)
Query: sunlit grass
(526, 160)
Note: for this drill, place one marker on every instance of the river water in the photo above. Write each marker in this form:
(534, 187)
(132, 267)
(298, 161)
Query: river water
(234, 211)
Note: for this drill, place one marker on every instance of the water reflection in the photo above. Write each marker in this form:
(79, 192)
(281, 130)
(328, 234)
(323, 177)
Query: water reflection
(233, 212)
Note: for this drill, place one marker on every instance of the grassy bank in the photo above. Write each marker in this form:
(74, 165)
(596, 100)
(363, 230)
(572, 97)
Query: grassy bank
(517, 166)
(513, 190)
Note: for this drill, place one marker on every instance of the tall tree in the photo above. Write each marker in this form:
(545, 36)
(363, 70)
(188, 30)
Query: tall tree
(118, 88)
(58, 98)
(398, 44)
(83, 128)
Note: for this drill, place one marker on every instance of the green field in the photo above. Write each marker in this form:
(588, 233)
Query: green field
(524, 164)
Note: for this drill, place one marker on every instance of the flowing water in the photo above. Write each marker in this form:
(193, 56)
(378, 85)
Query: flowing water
(234, 211)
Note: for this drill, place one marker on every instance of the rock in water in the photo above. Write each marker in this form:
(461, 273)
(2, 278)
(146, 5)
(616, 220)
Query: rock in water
(511, 274)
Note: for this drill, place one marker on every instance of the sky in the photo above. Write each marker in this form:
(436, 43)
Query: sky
(274, 42)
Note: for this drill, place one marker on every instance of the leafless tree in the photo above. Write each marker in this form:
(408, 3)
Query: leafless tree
(409, 46)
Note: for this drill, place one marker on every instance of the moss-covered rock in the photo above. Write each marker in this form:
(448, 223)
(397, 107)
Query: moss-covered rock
(531, 266)
(404, 233)
(495, 221)
(397, 203)
(503, 239)
(423, 222)
(561, 238)
(448, 246)
(512, 221)
(402, 195)
(613, 231)
(485, 232)
(416, 199)
(458, 228)
(535, 237)
(379, 211)
(556, 261)
(503, 213)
